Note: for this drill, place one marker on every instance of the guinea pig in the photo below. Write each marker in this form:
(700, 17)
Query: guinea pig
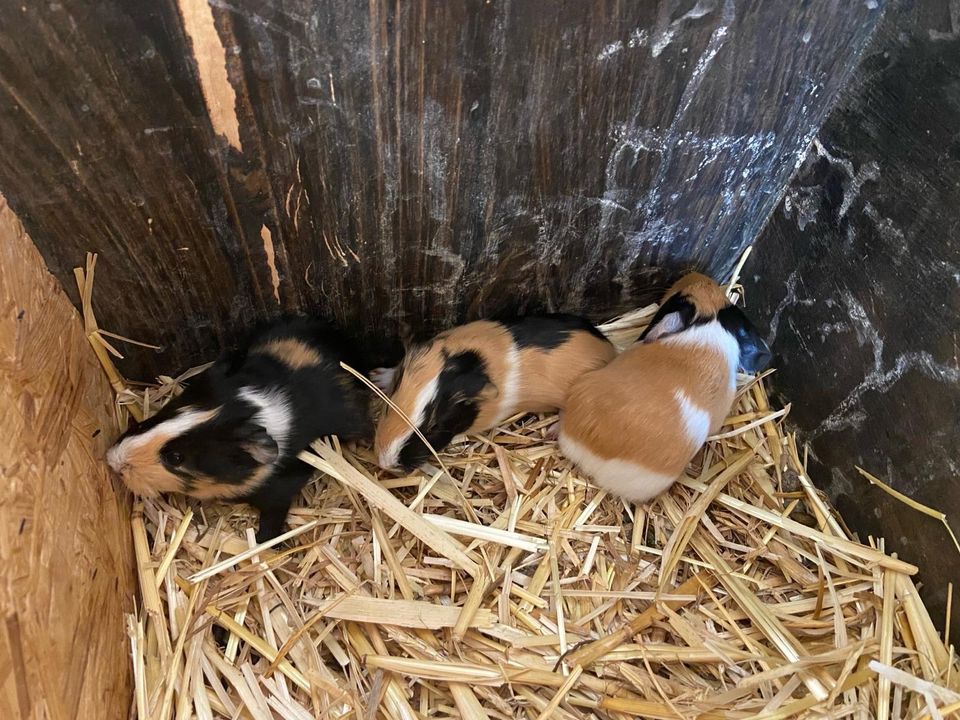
(235, 432)
(635, 424)
(475, 376)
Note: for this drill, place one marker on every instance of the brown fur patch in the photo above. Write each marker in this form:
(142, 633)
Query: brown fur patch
(543, 377)
(706, 295)
(546, 376)
(488, 339)
(492, 342)
(150, 480)
(628, 410)
(419, 367)
(293, 353)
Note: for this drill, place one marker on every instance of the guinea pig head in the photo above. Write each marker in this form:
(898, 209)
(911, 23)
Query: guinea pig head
(440, 391)
(207, 452)
(697, 300)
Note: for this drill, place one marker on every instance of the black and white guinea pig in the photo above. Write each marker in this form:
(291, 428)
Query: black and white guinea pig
(475, 376)
(634, 425)
(235, 432)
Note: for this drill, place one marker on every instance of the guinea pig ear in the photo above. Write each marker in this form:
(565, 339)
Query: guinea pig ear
(258, 444)
(488, 392)
(406, 336)
(676, 314)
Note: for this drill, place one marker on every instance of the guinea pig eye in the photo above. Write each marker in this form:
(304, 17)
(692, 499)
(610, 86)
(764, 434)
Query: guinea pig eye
(172, 458)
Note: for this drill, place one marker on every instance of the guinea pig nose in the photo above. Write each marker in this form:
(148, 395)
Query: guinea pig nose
(114, 460)
(386, 462)
(761, 360)
(764, 356)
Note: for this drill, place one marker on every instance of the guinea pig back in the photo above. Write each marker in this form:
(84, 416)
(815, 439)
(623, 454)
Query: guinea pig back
(235, 432)
(635, 424)
(474, 376)
(553, 351)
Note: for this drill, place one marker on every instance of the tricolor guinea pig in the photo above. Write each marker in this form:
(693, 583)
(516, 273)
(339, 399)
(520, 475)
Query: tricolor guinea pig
(235, 432)
(634, 425)
(475, 376)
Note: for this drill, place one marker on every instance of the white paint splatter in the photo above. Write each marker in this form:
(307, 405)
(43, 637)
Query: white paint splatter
(638, 38)
(789, 300)
(863, 327)
(886, 229)
(653, 215)
(610, 50)
(836, 328)
(666, 35)
(848, 413)
(804, 201)
(868, 172)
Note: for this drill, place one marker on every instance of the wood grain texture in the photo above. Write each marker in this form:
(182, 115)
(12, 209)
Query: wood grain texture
(425, 161)
(858, 272)
(65, 560)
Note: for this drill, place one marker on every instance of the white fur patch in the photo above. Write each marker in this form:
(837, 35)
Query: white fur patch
(622, 478)
(390, 456)
(711, 334)
(695, 419)
(273, 413)
(508, 392)
(383, 378)
(189, 418)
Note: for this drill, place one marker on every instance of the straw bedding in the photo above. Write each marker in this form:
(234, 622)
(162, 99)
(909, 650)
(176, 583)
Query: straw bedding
(503, 585)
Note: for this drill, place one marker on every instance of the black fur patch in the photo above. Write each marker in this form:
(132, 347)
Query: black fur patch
(453, 409)
(754, 353)
(548, 331)
(323, 400)
(215, 448)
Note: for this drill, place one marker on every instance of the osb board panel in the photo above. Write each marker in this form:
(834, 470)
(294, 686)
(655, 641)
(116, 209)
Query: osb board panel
(65, 562)
(423, 160)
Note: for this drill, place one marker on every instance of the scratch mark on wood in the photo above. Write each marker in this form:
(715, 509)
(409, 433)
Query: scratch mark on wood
(296, 212)
(333, 92)
(268, 250)
(210, 56)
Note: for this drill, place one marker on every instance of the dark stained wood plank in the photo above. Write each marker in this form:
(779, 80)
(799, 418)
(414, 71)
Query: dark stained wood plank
(107, 146)
(858, 273)
(428, 161)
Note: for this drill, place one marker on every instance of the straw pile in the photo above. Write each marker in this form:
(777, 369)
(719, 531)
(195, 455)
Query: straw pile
(506, 586)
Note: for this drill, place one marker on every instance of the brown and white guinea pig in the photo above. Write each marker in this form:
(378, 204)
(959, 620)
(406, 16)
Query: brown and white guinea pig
(474, 376)
(235, 432)
(634, 425)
